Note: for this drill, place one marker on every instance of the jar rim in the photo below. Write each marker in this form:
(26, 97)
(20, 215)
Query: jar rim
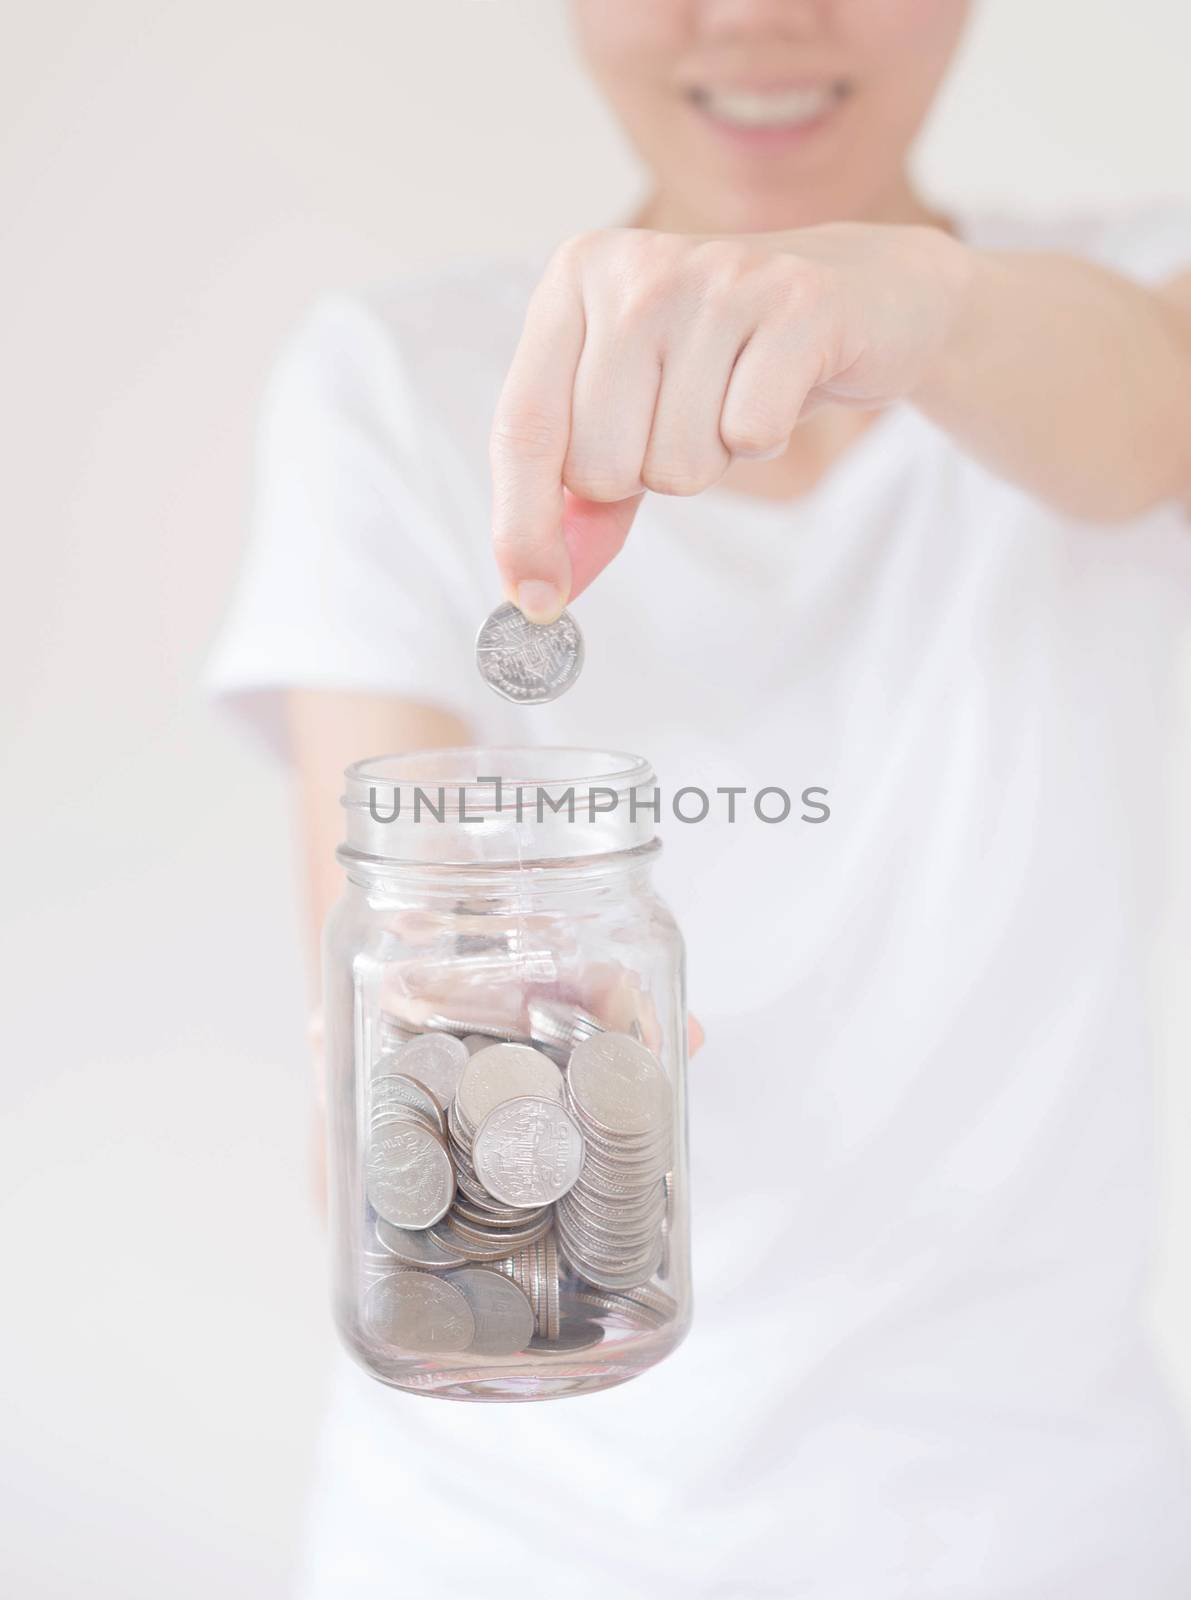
(581, 765)
(499, 804)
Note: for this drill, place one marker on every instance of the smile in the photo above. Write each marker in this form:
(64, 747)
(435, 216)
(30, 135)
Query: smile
(786, 110)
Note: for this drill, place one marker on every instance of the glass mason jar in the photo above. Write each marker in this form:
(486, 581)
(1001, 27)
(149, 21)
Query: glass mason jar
(506, 1045)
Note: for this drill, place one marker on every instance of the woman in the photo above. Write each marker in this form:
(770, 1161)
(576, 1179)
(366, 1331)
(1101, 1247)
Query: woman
(935, 563)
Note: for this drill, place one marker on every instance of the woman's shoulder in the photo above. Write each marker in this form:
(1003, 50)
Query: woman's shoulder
(1149, 242)
(408, 357)
(466, 311)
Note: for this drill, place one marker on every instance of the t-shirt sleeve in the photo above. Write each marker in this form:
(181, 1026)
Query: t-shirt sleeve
(354, 577)
(1149, 245)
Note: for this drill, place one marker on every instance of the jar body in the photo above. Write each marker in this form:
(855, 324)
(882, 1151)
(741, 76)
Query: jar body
(506, 1054)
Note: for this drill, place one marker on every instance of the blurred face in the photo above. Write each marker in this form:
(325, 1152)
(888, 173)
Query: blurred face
(769, 114)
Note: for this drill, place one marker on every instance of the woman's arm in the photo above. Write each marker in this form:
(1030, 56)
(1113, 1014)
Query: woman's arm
(327, 732)
(1070, 381)
(650, 361)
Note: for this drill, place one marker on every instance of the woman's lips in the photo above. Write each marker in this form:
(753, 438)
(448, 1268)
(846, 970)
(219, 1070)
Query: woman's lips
(768, 116)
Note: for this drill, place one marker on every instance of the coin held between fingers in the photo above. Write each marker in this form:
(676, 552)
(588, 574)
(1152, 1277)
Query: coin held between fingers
(526, 662)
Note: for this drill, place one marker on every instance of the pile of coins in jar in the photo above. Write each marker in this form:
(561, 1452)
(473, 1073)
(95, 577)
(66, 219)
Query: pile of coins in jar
(518, 1186)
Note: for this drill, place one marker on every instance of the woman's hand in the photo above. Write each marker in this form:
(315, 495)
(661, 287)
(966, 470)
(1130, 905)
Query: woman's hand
(652, 361)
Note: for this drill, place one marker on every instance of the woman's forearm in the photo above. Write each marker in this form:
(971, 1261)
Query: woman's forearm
(326, 730)
(1070, 381)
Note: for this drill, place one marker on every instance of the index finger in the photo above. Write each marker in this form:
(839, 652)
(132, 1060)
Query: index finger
(530, 434)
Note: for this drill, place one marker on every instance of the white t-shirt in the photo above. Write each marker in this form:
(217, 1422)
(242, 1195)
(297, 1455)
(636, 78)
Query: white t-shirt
(921, 1141)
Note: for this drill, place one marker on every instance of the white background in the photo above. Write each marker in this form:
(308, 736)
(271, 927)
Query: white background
(176, 182)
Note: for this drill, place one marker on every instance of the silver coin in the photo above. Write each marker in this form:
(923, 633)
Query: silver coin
(620, 1086)
(626, 1308)
(416, 1249)
(527, 1271)
(505, 1072)
(629, 1269)
(437, 1060)
(608, 1277)
(550, 1285)
(527, 1152)
(495, 1034)
(611, 1221)
(408, 1174)
(608, 1226)
(608, 1238)
(578, 1334)
(527, 662)
(521, 1266)
(620, 1257)
(459, 1132)
(618, 1163)
(488, 1032)
(418, 1313)
(485, 1214)
(394, 1031)
(620, 1192)
(538, 1277)
(599, 1211)
(470, 945)
(468, 1188)
(393, 1090)
(492, 1232)
(408, 1116)
(553, 1023)
(467, 1248)
(503, 1315)
(658, 1302)
(480, 1247)
(536, 1270)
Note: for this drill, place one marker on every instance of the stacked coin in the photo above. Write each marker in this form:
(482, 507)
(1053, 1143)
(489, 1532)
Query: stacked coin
(610, 1223)
(535, 1270)
(631, 1309)
(409, 1247)
(554, 1027)
(409, 1176)
(490, 1032)
(514, 1148)
(537, 1199)
(497, 1033)
(561, 1027)
(513, 1300)
(472, 1310)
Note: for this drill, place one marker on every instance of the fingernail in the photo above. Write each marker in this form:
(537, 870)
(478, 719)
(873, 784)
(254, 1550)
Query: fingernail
(539, 601)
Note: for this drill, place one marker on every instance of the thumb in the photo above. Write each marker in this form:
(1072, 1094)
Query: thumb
(594, 531)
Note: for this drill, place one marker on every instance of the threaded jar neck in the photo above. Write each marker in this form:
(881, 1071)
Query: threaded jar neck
(497, 807)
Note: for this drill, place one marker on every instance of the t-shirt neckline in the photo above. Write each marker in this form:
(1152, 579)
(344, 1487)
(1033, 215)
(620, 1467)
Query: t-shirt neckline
(848, 474)
(855, 466)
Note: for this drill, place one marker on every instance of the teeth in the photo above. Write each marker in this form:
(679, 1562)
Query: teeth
(765, 108)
